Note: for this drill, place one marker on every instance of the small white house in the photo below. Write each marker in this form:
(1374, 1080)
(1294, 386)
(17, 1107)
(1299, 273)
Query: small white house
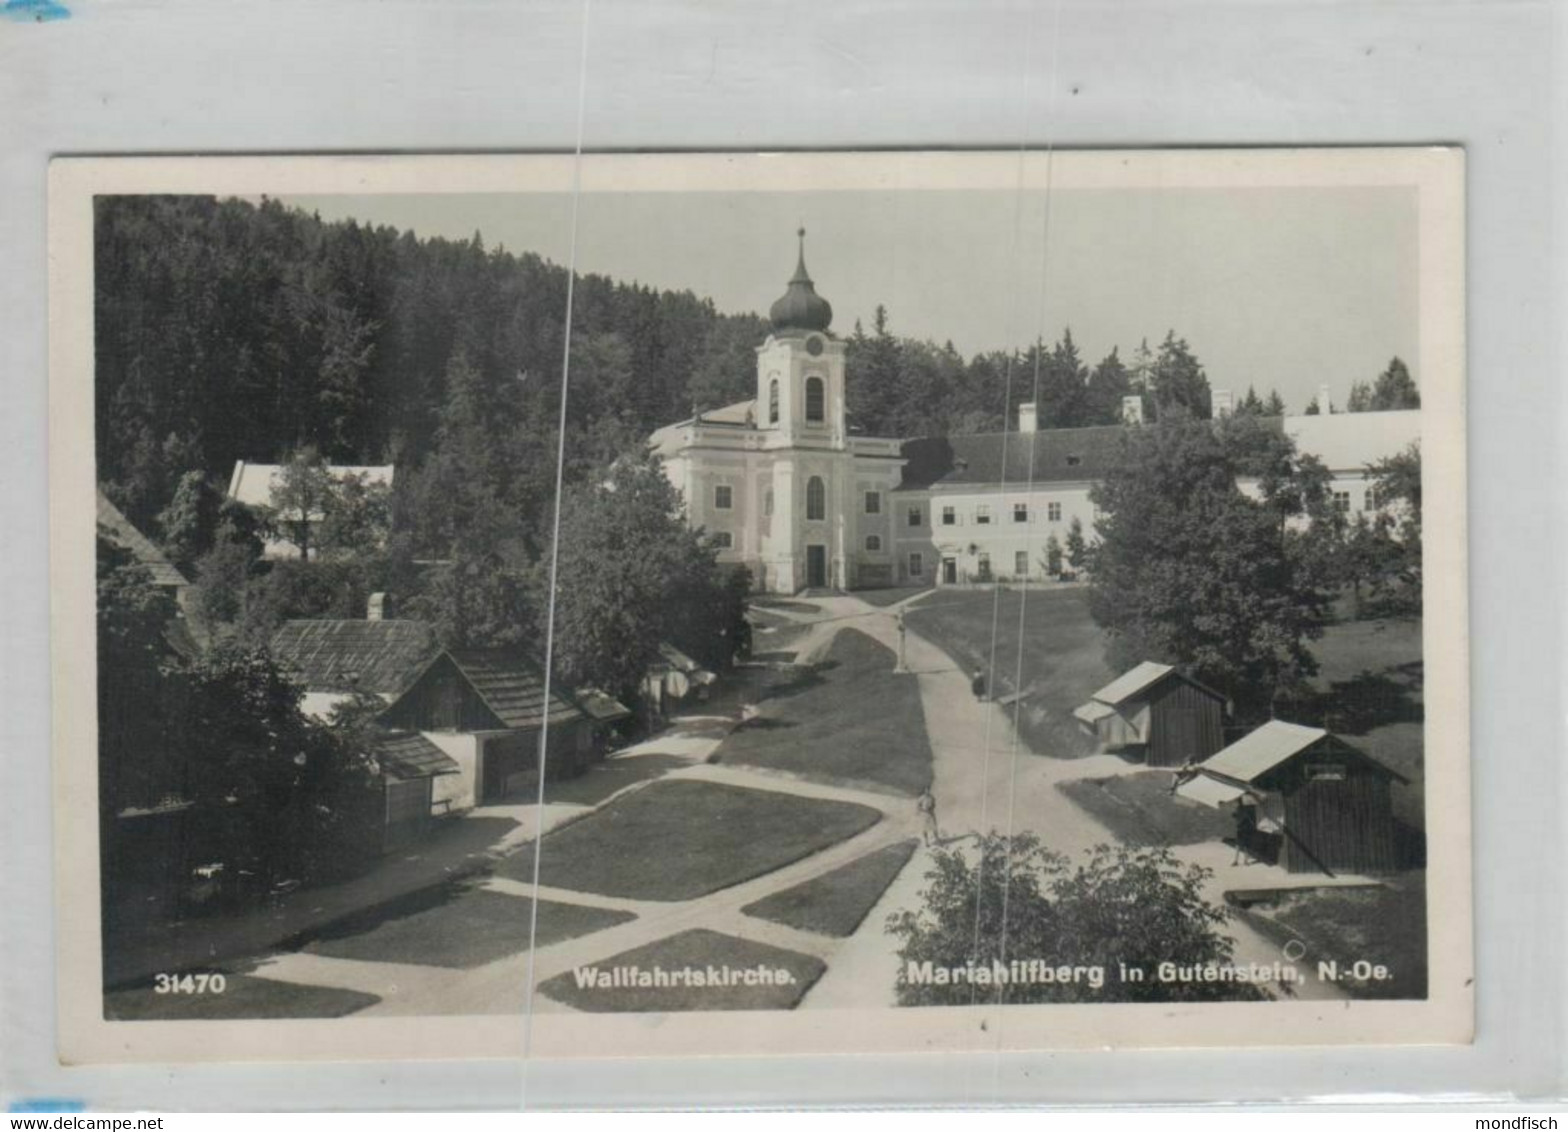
(252, 485)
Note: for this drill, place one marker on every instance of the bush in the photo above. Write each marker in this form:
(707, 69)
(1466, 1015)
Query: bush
(1020, 902)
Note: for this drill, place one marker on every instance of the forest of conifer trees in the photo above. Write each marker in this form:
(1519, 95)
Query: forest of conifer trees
(227, 330)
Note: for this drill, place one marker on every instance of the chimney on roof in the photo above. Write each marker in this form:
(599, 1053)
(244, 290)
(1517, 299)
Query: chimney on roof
(1132, 409)
(1224, 403)
(1325, 400)
(1028, 417)
(378, 608)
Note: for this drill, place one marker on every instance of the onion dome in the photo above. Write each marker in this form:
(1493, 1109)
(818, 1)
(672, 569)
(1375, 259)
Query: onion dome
(801, 308)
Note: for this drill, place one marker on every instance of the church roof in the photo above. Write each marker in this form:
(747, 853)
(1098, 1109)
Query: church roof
(741, 412)
(800, 307)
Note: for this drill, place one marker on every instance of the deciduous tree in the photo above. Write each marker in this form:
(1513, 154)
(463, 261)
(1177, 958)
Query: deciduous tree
(1190, 570)
(1016, 900)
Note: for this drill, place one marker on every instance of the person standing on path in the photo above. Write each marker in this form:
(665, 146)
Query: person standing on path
(926, 804)
(1246, 817)
(977, 685)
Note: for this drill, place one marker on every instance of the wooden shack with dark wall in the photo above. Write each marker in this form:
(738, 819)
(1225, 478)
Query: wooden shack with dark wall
(1156, 712)
(498, 695)
(1330, 804)
(482, 708)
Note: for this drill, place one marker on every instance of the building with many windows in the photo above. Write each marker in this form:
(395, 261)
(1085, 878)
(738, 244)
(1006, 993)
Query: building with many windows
(778, 482)
(784, 486)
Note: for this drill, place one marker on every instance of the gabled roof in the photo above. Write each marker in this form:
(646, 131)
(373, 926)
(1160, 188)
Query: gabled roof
(120, 531)
(1134, 680)
(1263, 750)
(1140, 678)
(1057, 455)
(251, 484)
(512, 686)
(408, 754)
(383, 657)
(1348, 442)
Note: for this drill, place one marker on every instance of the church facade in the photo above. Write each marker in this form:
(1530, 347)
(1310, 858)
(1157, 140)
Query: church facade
(778, 482)
(785, 488)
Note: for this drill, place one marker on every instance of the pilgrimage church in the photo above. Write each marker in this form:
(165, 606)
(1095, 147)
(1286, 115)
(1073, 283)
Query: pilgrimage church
(785, 487)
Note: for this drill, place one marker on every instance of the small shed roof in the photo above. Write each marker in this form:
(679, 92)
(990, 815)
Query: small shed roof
(1210, 791)
(120, 531)
(1143, 676)
(1136, 679)
(1262, 750)
(512, 686)
(408, 754)
(601, 707)
(383, 657)
(1093, 711)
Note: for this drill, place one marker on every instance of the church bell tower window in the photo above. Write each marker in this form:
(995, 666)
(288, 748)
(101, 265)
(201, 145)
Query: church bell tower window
(814, 399)
(773, 401)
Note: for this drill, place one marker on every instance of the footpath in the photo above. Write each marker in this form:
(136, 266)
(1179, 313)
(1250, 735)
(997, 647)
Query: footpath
(985, 778)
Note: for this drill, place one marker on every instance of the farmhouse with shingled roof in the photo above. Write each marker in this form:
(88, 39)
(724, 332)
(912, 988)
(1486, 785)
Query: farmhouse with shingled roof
(480, 709)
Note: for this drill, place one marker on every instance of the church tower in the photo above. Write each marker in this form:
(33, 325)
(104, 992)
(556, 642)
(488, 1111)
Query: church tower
(778, 483)
(800, 413)
(800, 368)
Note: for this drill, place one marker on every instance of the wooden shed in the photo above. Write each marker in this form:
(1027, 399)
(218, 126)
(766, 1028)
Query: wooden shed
(410, 764)
(499, 695)
(1155, 711)
(1330, 804)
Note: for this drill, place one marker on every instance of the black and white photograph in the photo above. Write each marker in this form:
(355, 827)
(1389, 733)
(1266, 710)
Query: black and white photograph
(832, 602)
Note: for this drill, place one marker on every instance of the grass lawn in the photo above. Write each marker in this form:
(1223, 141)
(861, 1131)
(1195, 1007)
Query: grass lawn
(1063, 659)
(890, 596)
(848, 721)
(680, 839)
(601, 780)
(244, 996)
(685, 958)
(778, 642)
(1368, 686)
(448, 926)
(1380, 925)
(836, 902)
(1140, 810)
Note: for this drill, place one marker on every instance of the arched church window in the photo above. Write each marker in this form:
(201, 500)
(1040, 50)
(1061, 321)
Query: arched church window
(773, 401)
(814, 399)
(816, 499)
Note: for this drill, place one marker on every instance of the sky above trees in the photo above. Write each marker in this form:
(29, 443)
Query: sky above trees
(1283, 289)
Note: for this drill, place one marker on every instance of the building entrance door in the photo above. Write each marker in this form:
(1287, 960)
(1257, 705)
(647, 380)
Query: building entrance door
(949, 571)
(816, 566)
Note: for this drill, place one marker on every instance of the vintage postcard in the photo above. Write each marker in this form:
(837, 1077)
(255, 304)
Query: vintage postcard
(588, 606)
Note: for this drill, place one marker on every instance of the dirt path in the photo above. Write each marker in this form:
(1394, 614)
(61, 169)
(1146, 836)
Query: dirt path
(986, 779)
(983, 779)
